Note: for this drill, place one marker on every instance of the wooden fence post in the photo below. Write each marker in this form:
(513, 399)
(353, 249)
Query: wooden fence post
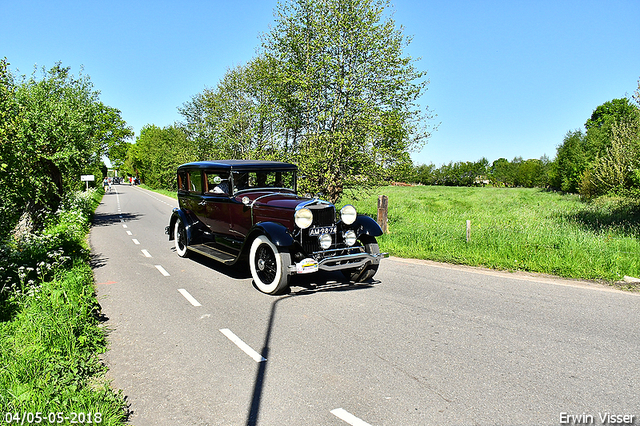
(468, 230)
(383, 207)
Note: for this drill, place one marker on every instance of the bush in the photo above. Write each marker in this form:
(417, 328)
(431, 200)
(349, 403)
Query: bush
(49, 331)
(27, 258)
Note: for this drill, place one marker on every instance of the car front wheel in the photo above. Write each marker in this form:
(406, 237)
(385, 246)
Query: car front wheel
(180, 238)
(269, 268)
(366, 272)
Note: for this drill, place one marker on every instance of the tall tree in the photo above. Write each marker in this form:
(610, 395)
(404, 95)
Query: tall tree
(531, 173)
(233, 120)
(157, 154)
(62, 130)
(502, 172)
(10, 198)
(600, 126)
(572, 159)
(339, 72)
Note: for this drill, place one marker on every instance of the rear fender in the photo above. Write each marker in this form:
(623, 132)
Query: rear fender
(179, 214)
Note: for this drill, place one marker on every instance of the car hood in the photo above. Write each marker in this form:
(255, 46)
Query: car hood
(279, 200)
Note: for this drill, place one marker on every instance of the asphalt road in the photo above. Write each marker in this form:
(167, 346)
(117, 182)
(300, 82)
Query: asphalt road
(193, 343)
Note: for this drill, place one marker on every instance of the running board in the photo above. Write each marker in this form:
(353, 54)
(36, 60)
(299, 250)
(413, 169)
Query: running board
(213, 253)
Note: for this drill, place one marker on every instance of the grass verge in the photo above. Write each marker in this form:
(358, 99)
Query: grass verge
(50, 334)
(172, 194)
(512, 229)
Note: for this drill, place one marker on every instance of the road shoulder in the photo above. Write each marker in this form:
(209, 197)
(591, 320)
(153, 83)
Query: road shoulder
(520, 275)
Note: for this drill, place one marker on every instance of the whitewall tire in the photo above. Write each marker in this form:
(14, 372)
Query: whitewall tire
(269, 268)
(180, 239)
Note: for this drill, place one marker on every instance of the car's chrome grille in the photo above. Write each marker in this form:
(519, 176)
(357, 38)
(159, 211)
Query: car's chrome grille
(310, 245)
(324, 216)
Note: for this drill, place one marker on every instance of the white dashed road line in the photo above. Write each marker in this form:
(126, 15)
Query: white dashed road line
(348, 417)
(189, 297)
(242, 345)
(146, 253)
(129, 233)
(162, 270)
(135, 241)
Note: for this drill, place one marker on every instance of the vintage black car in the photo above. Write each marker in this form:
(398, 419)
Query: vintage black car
(239, 210)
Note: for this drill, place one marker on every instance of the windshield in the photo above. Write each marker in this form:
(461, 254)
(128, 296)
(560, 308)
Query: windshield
(285, 179)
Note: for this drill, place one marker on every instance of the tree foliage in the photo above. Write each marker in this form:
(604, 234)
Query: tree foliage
(502, 173)
(54, 129)
(617, 171)
(331, 90)
(572, 159)
(349, 90)
(235, 120)
(605, 159)
(156, 155)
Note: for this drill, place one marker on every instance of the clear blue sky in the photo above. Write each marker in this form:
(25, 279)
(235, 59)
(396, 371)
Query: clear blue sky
(508, 78)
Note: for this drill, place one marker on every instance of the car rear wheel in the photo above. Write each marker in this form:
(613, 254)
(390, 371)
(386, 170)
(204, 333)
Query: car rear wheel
(180, 238)
(269, 267)
(366, 272)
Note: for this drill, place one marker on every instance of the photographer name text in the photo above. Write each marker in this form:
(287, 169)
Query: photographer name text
(603, 418)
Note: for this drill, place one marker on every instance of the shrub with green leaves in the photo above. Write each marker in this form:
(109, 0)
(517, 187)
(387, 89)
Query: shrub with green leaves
(49, 331)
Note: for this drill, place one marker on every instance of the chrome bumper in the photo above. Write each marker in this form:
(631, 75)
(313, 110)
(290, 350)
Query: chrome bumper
(349, 261)
(336, 263)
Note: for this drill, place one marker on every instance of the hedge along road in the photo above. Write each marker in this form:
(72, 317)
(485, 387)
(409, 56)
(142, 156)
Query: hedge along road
(193, 343)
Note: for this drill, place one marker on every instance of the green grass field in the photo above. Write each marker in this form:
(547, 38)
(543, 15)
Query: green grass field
(511, 229)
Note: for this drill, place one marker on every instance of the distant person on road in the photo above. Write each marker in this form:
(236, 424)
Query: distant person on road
(105, 184)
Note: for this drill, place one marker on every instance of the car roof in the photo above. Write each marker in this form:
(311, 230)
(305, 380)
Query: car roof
(239, 165)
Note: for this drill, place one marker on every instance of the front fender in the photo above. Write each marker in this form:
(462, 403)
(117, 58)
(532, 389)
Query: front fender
(364, 225)
(277, 233)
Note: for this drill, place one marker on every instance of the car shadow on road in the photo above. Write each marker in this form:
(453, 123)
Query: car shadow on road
(106, 219)
(300, 284)
(325, 282)
(310, 284)
(238, 271)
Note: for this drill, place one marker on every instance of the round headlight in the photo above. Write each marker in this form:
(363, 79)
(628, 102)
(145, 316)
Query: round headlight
(303, 218)
(350, 238)
(325, 241)
(348, 214)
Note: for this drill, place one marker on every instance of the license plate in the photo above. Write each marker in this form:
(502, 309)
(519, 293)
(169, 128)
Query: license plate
(307, 266)
(314, 232)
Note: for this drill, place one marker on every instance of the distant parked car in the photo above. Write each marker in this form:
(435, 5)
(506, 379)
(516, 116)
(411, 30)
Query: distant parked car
(238, 210)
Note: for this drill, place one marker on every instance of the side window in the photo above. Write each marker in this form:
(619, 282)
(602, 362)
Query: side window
(183, 181)
(195, 181)
(217, 182)
(240, 181)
